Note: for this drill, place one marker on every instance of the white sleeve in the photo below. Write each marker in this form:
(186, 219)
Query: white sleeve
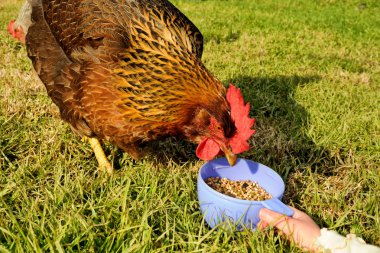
(331, 241)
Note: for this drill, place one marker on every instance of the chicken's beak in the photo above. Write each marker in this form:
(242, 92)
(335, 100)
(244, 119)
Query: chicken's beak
(231, 157)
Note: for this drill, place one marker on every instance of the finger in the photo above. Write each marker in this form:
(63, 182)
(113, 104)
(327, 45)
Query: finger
(297, 213)
(275, 219)
(270, 216)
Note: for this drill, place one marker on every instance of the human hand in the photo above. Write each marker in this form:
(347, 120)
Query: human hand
(299, 228)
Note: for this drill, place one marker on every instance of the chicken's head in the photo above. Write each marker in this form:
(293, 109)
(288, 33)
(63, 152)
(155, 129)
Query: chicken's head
(225, 131)
(16, 32)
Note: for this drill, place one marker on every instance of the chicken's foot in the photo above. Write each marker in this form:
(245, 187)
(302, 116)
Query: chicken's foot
(104, 164)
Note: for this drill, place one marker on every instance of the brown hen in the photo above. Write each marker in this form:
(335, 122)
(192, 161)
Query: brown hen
(130, 71)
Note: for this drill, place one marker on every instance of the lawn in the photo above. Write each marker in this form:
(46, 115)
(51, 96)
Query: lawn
(310, 70)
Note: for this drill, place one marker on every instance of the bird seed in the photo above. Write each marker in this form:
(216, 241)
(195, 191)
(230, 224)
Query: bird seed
(243, 189)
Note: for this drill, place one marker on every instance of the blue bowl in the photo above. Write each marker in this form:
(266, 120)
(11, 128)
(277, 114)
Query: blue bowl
(219, 208)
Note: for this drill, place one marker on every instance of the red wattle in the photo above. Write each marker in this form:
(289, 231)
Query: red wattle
(207, 149)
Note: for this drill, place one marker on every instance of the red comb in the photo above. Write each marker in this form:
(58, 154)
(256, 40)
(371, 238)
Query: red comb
(243, 123)
(208, 148)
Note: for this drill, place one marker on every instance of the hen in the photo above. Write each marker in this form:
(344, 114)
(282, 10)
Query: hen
(129, 72)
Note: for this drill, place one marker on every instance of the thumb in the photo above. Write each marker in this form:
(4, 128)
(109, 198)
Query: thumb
(273, 218)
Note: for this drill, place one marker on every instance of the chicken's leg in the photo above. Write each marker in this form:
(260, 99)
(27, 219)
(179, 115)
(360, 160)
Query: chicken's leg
(104, 164)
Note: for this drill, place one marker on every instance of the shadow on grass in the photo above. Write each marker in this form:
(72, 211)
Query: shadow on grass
(160, 152)
(281, 141)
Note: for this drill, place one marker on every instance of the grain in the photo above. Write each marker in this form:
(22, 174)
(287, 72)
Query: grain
(241, 189)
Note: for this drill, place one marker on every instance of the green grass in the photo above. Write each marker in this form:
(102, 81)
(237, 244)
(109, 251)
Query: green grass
(310, 70)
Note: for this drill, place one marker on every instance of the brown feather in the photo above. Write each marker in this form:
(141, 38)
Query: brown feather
(128, 71)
